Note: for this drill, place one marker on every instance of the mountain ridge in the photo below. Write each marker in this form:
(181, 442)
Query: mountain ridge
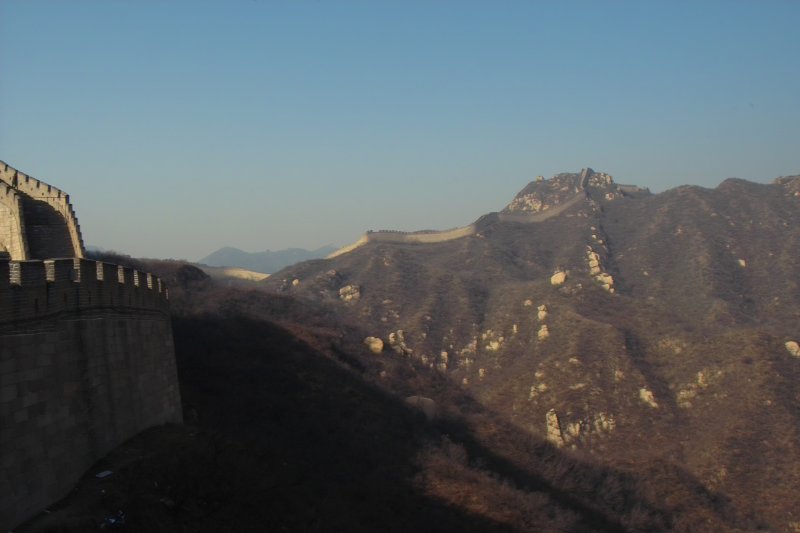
(628, 364)
(620, 321)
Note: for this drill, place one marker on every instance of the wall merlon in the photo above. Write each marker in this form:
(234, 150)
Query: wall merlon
(125, 276)
(106, 271)
(60, 270)
(32, 289)
(27, 273)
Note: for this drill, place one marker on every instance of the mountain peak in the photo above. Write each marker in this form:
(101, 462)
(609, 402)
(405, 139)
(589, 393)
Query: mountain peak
(542, 194)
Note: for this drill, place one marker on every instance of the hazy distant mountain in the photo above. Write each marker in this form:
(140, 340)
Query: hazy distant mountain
(265, 262)
(646, 330)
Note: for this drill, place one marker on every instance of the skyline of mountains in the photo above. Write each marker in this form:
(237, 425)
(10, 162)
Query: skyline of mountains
(266, 262)
(631, 326)
(593, 357)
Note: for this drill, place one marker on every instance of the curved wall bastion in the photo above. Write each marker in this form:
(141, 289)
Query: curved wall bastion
(86, 353)
(37, 220)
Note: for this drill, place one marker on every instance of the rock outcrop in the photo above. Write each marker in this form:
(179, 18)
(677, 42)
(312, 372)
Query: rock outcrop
(558, 278)
(350, 293)
(647, 397)
(554, 434)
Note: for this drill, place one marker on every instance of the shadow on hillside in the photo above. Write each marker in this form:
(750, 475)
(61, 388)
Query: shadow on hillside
(282, 437)
(332, 452)
(292, 435)
(309, 445)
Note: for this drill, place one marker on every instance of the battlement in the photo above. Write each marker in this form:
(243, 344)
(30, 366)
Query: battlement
(36, 190)
(36, 289)
(86, 352)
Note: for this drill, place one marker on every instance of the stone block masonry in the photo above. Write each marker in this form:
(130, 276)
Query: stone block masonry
(86, 354)
(38, 220)
(86, 362)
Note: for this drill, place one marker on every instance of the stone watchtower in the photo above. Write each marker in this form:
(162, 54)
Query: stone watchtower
(37, 220)
(86, 351)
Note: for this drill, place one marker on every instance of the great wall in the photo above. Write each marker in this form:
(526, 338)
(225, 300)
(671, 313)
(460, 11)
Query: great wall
(86, 350)
(431, 236)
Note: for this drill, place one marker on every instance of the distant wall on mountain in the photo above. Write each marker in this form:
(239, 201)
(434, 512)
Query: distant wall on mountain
(430, 237)
(421, 236)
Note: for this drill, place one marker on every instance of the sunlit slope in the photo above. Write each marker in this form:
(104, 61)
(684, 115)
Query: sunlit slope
(646, 325)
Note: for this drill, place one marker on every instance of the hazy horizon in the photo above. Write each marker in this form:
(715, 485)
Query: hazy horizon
(182, 127)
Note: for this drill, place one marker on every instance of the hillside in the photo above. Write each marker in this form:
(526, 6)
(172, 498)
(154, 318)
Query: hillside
(292, 425)
(600, 358)
(627, 328)
(265, 262)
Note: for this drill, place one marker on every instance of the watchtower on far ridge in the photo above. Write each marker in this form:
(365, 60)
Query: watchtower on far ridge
(37, 220)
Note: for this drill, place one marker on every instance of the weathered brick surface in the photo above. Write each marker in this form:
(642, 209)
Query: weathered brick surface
(86, 362)
(86, 355)
(75, 385)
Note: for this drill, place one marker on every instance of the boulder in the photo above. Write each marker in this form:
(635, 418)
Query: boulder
(793, 348)
(543, 333)
(542, 312)
(558, 278)
(647, 397)
(374, 344)
(426, 405)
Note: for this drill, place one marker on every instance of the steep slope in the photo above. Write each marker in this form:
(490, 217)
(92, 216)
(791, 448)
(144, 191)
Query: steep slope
(624, 326)
(293, 425)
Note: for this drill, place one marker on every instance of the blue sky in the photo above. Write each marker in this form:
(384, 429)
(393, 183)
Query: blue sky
(180, 127)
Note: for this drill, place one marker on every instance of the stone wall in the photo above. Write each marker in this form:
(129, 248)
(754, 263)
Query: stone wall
(406, 237)
(421, 237)
(86, 362)
(40, 191)
(430, 237)
(12, 227)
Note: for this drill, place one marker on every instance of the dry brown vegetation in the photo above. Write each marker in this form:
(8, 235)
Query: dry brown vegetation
(294, 425)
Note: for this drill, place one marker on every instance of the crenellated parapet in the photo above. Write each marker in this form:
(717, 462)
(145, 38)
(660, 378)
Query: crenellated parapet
(86, 362)
(86, 352)
(38, 289)
(28, 187)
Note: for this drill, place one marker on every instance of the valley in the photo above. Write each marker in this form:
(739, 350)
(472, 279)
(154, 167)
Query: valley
(623, 365)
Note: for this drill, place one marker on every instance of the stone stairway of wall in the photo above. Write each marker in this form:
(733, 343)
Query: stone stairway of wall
(47, 230)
